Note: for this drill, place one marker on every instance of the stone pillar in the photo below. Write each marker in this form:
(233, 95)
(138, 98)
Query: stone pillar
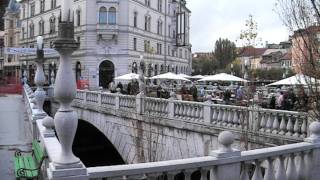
(140, 103)
(172, 98)
(40, 79)
(207, 111)
(228, 171)
(66, 165)
(314, 138)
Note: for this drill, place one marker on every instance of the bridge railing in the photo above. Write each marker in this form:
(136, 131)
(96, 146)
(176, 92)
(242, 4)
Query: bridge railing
(289, 124)
(294, 161)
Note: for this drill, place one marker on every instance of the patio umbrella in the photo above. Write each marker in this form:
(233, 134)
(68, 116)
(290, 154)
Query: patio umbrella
(223, 77)
(169, 76)
(184, 75)
(196, 77)
(298, 79)
(127, 77)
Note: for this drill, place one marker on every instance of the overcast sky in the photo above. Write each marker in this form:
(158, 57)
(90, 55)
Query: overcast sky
(211, 19)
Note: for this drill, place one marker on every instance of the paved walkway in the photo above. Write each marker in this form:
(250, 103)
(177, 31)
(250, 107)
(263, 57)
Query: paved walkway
(14, 132)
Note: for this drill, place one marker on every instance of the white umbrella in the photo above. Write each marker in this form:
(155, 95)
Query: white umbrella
(223, 77)
(298, 79)
(196, 77)
(169, 76)
(184, 75)
(127, 77)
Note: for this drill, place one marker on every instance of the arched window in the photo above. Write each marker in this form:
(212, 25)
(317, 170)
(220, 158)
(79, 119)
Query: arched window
(135, 19)
(41, 27)
(112, 17)
(159, 29)
(156, 69)
(103, 14)
(31, 27)
(52, 25)
(147, 23)
(78, 17)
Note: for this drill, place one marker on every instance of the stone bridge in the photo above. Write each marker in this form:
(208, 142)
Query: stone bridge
(144, 129)
(134, 118)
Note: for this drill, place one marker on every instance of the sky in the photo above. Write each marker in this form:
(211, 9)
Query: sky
(212, 19)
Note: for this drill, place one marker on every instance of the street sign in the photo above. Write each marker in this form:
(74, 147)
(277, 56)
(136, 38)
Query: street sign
(28, 51)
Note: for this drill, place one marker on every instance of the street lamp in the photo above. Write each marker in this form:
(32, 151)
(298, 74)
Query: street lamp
(231, 67)
(246, 69)
(284, 68)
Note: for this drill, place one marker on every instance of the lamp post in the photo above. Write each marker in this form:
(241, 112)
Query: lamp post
(39, 78)
(246, 69)
(231, 67)
(284, 74)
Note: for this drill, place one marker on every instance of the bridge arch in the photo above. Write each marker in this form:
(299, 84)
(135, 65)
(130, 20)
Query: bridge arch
(93, 147)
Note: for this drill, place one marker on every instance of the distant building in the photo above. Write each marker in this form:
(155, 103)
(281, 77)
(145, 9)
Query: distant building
(271, 58)
(250, 57)
(1, 54)
(305, 47)
(11, 63)
(113, 36)
(199, 55)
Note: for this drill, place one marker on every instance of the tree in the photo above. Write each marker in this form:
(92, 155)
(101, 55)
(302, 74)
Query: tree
(249, 36)
(224, 52)
(302, 18)
(204, 65)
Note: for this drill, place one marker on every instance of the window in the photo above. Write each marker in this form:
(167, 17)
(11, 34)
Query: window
(52, 25)
(103, 14)
(112, 17)
(174, 34)
(135, 19)
(134, 44)
(159, 48)
(53, 4)
(31, 28)
(11, 24)
(180, 53)
(32, 9)
(78, 17)
(168, 51)
(147, 2)
(147, 23)
(169, 30)
(146, 46)
(78, 40)
(41, 27)
(22, 32)
(160, 5)
(11, 41)
(42, 7)
(159, 29)
(23, 11)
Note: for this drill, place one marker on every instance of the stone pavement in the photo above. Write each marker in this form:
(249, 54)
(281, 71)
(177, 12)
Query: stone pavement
(14, 132)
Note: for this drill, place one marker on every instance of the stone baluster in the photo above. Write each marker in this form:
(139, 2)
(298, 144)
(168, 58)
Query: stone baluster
(269, 174)
(187, 174)
(281, 171)
(171, 175)
(291, 168)
(244, 172)
(283, 126)
(257, 175)
(200, 113)
(220, 115)
(301, 167)
(263, 122)
(48, 123)
(230, 117)
(225, 116)
(289, 126)
(236, 120)
(186, 112)
(296, 127)
(66, 165)
(215, 115)
(225, 140)
(304, 126)
(190, 111)
(40, 80)
(182, 110)
(275, 125)
(269, 123)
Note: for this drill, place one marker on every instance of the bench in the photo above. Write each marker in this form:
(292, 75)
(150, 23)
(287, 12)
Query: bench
(28, 165)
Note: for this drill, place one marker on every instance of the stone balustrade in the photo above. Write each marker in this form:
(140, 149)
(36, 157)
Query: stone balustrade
(293, 161)
(289, 124)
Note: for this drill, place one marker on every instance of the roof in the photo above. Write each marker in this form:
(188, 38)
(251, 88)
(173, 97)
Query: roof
(251, 51)
(287, 56)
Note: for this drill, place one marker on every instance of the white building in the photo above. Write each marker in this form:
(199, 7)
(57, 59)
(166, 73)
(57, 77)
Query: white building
(114, 35)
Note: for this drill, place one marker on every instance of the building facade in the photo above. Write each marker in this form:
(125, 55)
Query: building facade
(114, 36)
(1, 56)
(11, 64)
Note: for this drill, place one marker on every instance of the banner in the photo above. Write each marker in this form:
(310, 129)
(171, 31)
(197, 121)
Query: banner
(28, 51)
